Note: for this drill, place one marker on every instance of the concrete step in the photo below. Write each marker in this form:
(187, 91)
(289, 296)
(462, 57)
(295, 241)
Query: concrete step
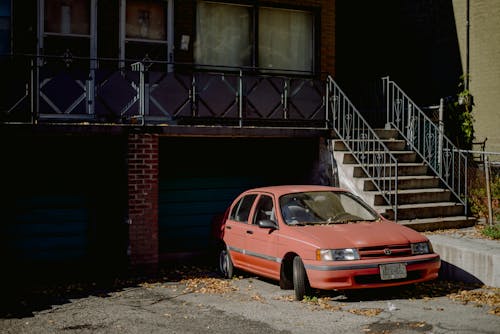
(391, 144)
(404, 169)
(415, 196)
(439, 223)
(424, 210)
(387, 133)
(401, 156)
(404, 182)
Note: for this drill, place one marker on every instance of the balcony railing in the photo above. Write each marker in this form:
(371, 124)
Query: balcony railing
(111, 91)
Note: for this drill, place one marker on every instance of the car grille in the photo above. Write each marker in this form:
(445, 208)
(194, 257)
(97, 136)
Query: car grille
(384, 251)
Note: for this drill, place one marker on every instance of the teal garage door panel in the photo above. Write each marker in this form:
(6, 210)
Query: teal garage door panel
(189, 204)
(47, 228)
(200, 177)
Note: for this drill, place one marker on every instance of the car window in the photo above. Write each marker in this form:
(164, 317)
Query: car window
(264, 209)
(241, 210)
(323, 207)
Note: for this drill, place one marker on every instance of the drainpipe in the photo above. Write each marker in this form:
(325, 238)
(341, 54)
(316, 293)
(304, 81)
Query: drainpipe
(467, 46)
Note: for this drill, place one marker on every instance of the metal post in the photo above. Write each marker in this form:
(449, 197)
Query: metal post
(488, 190)
(240, 97)
(285, 100)
(440, 137)
(170, 35)
(93, 55)
(193, 96)
(385, 84)
(409, 129)
(141, 91)
(327, 101)
(32, 90)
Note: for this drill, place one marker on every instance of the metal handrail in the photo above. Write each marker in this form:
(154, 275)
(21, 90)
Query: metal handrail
(372, 155)
(427, 140)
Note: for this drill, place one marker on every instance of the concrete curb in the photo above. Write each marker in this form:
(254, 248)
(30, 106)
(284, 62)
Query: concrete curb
(465, 259)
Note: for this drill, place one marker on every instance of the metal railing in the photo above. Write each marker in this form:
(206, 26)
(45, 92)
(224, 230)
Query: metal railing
(427, 139)
(372, 155)
(117, 91)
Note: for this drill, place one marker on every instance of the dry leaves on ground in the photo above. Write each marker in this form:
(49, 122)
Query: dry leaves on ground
(474, 233)
(368, 312)
(208, 285)
(486, 296)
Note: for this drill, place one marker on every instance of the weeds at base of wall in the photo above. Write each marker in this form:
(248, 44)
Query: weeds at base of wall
(478, 199)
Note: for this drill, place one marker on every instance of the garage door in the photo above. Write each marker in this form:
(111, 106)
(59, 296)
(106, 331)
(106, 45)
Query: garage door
(47, 228)
(63, 205)
(200, 177)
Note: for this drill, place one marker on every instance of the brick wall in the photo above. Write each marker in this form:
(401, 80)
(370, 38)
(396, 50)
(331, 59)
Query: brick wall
(142, 161)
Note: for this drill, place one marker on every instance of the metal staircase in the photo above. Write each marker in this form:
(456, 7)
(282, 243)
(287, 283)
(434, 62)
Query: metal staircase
(396, 171)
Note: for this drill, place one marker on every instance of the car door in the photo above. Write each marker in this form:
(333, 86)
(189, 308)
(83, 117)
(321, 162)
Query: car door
(261, 244)
(236, 227)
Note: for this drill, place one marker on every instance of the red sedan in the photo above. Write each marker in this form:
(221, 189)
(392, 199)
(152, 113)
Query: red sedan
(320, 237)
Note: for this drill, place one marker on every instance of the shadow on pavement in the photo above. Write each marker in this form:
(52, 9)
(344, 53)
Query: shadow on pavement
(25, 292)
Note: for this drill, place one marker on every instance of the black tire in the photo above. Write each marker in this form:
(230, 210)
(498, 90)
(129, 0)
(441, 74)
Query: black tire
(286, 279)
(300, 282)
(226, 267)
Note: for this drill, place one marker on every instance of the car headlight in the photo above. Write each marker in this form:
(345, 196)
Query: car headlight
(421, 248)
(345, 254)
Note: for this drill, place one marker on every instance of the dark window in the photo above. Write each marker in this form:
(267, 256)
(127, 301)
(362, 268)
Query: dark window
(146, 29)
(241, 210)
(264, 209)
(67, 17)
(228, 35)
(5, 26)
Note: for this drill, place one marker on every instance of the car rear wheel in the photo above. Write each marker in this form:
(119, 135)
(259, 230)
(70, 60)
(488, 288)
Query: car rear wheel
(300, 282)
(225, 263)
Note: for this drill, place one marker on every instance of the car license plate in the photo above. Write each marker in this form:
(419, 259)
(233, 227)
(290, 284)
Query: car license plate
(392, 271)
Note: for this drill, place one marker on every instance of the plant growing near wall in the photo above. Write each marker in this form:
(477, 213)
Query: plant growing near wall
(460, 122)
(492, 231)
(479, 202)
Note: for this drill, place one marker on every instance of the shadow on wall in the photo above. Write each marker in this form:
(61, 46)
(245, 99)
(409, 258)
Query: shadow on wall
(414, 42)
(451, 272)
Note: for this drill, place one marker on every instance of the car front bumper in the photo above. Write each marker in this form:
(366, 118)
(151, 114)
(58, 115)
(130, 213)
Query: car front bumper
(366, 273)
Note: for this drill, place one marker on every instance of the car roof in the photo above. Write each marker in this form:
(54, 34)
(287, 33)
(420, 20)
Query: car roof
(287, 189)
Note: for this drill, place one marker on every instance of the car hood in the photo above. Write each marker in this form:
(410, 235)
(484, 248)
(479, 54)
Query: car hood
(356, 235)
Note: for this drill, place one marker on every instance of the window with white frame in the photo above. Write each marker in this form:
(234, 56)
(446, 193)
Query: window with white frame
(67, 17)
(227, 35)
(146, 29)
(67, 27)
(145, 20)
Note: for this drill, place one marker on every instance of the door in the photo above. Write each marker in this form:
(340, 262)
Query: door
(236, 228)
(261, 244)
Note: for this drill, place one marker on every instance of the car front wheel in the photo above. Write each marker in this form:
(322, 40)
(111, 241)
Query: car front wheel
(225, 264)
(300, 282)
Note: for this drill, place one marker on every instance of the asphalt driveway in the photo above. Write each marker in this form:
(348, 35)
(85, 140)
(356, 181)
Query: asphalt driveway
(196, 300)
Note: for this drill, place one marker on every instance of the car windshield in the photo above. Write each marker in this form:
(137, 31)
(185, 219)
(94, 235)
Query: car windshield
(324, 207)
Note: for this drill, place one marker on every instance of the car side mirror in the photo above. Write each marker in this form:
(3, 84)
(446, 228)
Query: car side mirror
(267, 223)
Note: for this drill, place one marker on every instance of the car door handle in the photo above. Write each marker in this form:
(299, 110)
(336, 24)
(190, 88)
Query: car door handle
(228, 227)
(249, 232)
